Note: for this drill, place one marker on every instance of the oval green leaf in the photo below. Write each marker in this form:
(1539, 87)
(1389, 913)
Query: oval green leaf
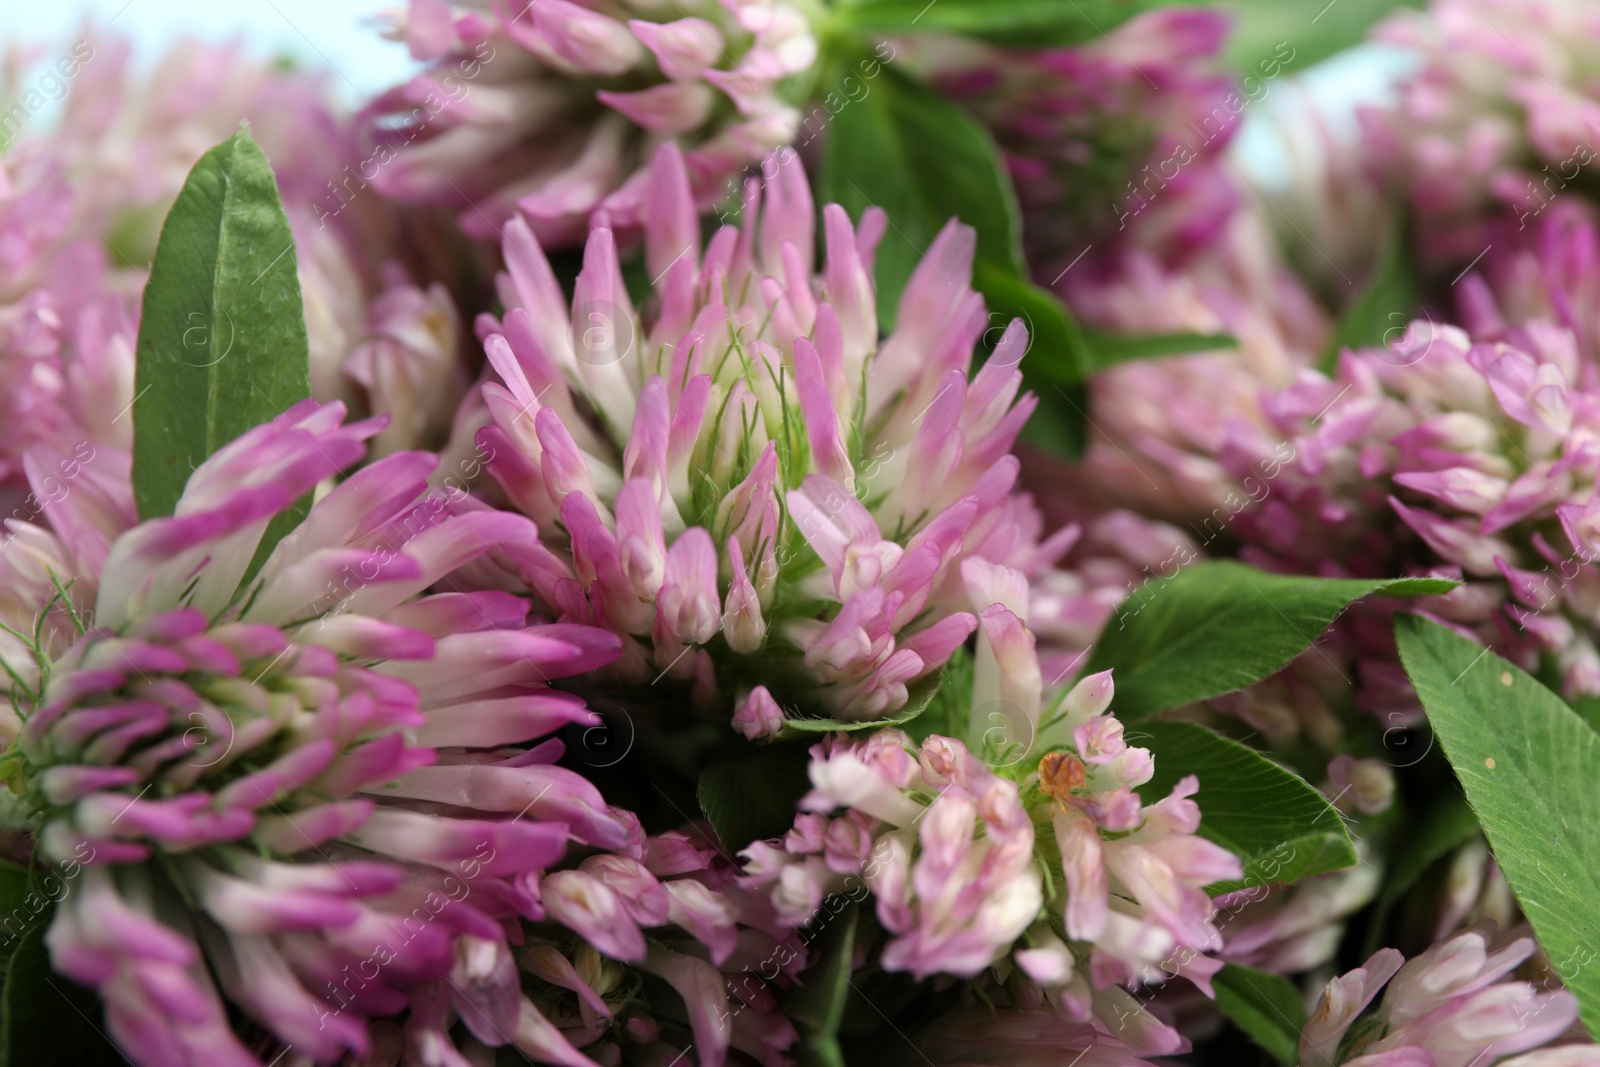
(1528, 764)
(222, 336)
(1217, 627)
(1278, 825)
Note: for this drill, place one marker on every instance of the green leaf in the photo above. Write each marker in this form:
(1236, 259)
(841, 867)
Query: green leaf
(1266, 1006)
(222, 337)
(1057, 350)
(1528, 764)
(1386, 305)
(1060, 423)
(1109, 349)
(1217, 627)
(794, 727)
(754, 795)
(817, 1004)
(1588, 709)
(1297, 35)
(1280, 827)
(924, 161)
(1022, 23)
(46, 1020)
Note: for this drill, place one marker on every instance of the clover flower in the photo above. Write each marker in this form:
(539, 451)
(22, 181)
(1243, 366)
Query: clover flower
(66, 344)
(1095, 136)
(1449, 1007)
(380, 341)
(1132, 216)
(714, 940)
(1026, 842)
(124, 143)
(557, 110)
(295, 781)
(749, 486)
(1437, 455)
(1159, 424)
(1500, 119)
(946, 849)
(82, 200)
(409, 364)
(1547, 274)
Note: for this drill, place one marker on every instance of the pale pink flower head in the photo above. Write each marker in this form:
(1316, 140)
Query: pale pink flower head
(1452, 1006)
(125, 142)
(554, 109)
(410, 364)
(1298, 928)
(1124, 133)
(1135, 874)
(260, 776)
(1546, 274)
(746, 474)
(1159, 424)
(1435, 455)
(1501, 117)
(957, 869)
(720, 951)
(949, 859)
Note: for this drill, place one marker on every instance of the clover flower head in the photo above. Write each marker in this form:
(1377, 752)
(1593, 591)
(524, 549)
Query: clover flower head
(752, 488)
(555, 110)
(953, 838)
(1439, 455)
(1097, 135)
(284, 774)
(1453, 1004)
(1499, 118)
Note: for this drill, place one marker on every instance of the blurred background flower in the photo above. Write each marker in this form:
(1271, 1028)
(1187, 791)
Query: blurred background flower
(334, 34)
